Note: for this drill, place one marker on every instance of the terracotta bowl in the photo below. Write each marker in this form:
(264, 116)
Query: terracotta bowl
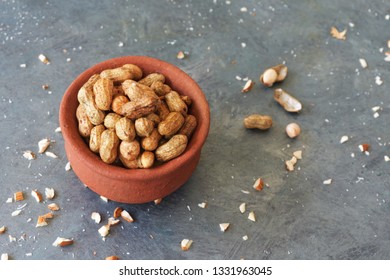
(134, 185)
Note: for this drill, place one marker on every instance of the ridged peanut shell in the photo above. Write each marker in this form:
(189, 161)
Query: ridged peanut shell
(118, 102)
(136, 71)
(103, 90)
(85, 96)
(109, 143)
(94, 140)
(84, 124)
(172, 149)
(111, 119)
(175, 103)
(150, 143)
(172, 123)
(117, 75)
(189, 126)
(262, 122)
(151, 78)
(125, 129)
(129, 150)
(143, 127)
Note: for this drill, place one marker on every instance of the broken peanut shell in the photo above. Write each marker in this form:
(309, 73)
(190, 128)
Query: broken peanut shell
(287, 101)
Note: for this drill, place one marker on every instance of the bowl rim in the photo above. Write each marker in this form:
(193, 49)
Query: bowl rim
(93, 161)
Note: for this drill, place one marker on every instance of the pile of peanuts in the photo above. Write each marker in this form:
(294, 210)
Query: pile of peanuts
(134, 120)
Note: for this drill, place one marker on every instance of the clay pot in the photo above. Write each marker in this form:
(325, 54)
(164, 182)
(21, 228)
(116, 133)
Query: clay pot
(134, 185)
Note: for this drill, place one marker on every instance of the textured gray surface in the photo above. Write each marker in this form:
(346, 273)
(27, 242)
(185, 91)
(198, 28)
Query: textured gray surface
(297, 216)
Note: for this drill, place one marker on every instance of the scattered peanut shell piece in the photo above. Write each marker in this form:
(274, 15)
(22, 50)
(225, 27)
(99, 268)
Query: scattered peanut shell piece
(344, 139)
(386, 158)
(53, 207)
(41, 222)
(186, 244)
(112, 221)
(202, 205)
(37, 195)
(157, 201)
(364, 147)
(43, 145)
(242, 207)
(43, 59)
(378, 80)
(298, 154)
(291, 163)
(287, 101)
(363, 63)
(112, 258)
(245, 237)
(18, 196)
(328, 182)
(126, 216)
(224, 226)
(117, 212)
(2, 229)
(11, 238)
(48, 215)
(50, 154)
(252, 216)
(4, 257)
(96, 217)
(259, 184)
(337, 34)
(16, 212)
(180, 55)
(248, 86)
(49, 193)
(62, 242)
(29, 155)
(68, 166)
(104, 230)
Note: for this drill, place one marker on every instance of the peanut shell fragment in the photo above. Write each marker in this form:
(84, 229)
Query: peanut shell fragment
(186, 244)
(61, 242)
(287, 101)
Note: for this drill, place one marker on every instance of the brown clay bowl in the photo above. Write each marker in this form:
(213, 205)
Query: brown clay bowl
(134, 185)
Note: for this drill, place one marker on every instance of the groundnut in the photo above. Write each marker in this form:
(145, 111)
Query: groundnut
(125, 129)
(95, 138)
(109, 142)
(262, 122)
(129, 149)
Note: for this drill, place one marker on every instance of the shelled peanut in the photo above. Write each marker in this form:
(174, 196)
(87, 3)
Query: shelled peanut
(132, 119)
